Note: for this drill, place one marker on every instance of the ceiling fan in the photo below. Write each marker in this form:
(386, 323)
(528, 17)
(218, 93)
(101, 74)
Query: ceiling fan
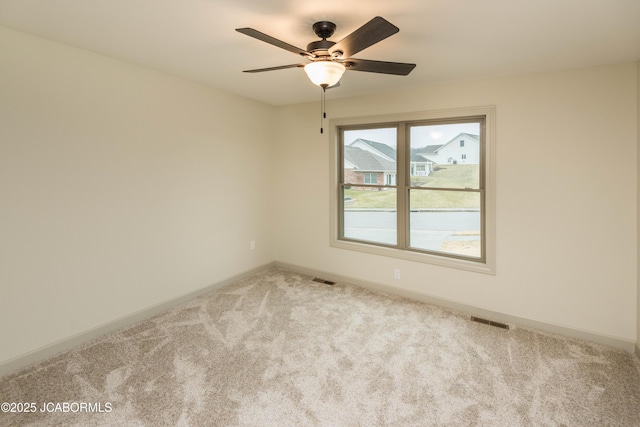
(328, 60)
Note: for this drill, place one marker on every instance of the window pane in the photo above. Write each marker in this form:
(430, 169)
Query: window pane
(445, 156)
(445, 221)
(369, 156)
(370, 215)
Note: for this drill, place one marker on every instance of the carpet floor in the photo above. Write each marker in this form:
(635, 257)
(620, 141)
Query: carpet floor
(278, 349)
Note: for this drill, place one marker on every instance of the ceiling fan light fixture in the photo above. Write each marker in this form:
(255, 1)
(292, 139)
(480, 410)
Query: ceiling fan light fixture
(324, 73)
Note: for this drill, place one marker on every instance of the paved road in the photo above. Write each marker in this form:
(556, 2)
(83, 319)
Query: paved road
(428, 229)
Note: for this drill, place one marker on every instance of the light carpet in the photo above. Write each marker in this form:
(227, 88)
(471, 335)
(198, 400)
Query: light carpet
(280, 349)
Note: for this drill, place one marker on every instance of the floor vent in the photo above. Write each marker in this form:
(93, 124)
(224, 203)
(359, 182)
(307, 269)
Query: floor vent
(326, 282)
(489, 322)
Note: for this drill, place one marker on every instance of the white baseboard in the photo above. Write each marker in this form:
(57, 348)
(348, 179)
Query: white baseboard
(517, 321)
(17, 363)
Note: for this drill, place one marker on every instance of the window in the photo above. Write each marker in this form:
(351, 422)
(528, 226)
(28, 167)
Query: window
(370, 178)
(391, 179)
(443, 214)
(461, 143)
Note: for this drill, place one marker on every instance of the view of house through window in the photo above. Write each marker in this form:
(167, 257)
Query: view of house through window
(369, 192)
(415, 186)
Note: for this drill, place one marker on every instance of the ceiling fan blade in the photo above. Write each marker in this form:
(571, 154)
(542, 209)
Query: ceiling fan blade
(272, 40)
(383, 67)
(281, 67)
(369, 34)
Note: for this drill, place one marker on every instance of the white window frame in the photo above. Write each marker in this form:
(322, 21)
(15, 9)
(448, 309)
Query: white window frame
(488, 265)
(367, 177)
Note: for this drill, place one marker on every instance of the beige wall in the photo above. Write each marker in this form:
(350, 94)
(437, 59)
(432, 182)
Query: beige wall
(638, 175)
(121, 188)
(566, 213)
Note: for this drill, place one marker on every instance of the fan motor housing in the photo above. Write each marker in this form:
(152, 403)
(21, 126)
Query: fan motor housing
(324, 30)
(320, 45)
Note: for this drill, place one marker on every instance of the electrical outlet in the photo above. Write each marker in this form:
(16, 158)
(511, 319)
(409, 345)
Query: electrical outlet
(396, 274)
(252, 245)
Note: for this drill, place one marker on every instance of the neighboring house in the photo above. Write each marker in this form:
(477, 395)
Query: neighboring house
(420, 165)
(370, 162)
(378, 148)
(368, 167)
(463, 149)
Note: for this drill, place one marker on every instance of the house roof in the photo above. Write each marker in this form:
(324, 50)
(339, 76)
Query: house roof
(379, 148)
(467, 135)
(430, 149)
(384, 149)
(433, 149)
(366, 161)
(419, 158)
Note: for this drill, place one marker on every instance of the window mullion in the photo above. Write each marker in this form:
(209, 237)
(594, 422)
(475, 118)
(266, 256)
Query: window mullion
(402, 187)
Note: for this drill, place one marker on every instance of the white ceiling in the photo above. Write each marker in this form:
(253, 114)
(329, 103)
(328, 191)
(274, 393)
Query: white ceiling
(447, 39)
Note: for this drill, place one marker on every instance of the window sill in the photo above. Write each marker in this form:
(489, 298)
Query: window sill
(486, 267)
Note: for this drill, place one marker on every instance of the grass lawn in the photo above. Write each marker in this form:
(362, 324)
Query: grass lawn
(449, 176)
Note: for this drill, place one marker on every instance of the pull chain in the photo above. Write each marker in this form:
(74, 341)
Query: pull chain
(323, 103)
(321, 111)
